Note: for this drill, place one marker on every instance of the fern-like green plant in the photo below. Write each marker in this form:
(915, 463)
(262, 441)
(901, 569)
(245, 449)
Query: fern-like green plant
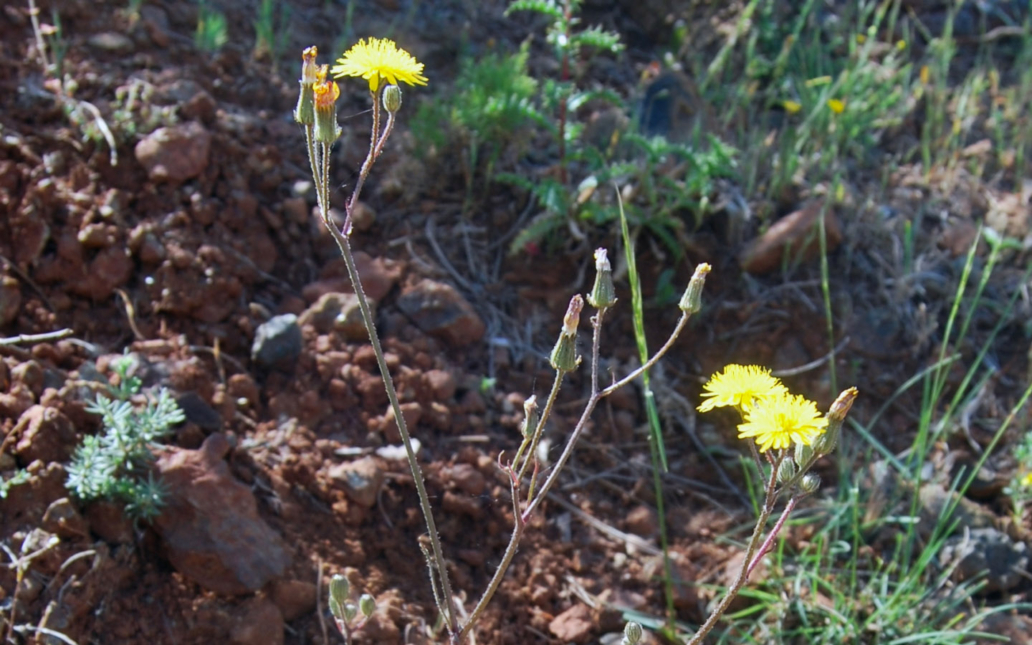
(115, 465)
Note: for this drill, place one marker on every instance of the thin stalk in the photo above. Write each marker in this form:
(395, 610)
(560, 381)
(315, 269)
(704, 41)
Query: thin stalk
(767, 543)
(367, 165)
(743, 575)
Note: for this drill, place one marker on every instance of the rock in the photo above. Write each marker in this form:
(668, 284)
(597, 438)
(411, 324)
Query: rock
(63, 519)
(378, 277)
(442, 383)
(796, 235)
(573, 625)
(363, 217)
(1015, 629)
(44, 434)
(111, 41)
(362, 480)
(277, 342)
(110, 268)
(176, 153)
(466, 478)
(440, 310)
(210, 524)
(336, 311)
(987, 552)
(933, 498)
(108, 521)
(295, 598)
(10, 300)
(197, 411)
(641, 520)
(201, 107)
(260, 623)
(411, 411)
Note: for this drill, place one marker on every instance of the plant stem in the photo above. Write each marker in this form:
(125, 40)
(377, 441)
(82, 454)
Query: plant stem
(750, 550)
(767, 543)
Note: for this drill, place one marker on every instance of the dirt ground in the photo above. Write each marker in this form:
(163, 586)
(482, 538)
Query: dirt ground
(183, 249)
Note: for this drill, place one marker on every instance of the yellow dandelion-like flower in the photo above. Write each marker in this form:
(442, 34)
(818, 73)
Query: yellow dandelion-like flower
(837, 106)
(739, 386)
(782, 422)
(792, 107)
(1026, 481)
(378, 59)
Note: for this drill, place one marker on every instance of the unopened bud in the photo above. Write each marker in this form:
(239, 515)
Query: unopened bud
(530, 416)
(810, 483)
(366, 605)
(827, 442)
(632, 633)
(339, 590)
(564, 355)
(392, 98)
(803, 454)
(304, 113)
(603, 294)
(350, 611)
(691, 301)
(786, 471)
(326, 94)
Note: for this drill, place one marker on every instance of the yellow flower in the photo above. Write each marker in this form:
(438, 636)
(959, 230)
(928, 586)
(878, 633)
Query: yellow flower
(377, 59)
(792, 107)
(837, 106)
(740, 386)
(781, 422)
(1026, 481)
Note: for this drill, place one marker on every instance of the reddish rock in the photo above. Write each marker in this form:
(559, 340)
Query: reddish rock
(44, 434)
(573, 625)
(108, 521)
(411, 411)
(378, 277)
(466, 478)
(336, 311)
(176, 153)
(438, 309)
(442, 383)
(295, 598)
(362, 479)
(210, 525)
(10, 300)
(110, 269)
(794, 236)
(260, 623)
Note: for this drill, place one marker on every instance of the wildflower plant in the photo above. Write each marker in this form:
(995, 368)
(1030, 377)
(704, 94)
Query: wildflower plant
(382, 65)
(115, 465)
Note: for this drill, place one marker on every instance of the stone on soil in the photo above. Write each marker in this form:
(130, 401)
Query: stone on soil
(44, 434)
(987, 552)
(277, 342)
(573, 625)
(791, 236)
(438, 309)
(176, 153)
(336, 311)
(362, 480)
(210, 525)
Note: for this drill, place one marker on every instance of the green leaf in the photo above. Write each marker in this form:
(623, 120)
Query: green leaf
(546, 7)
(598, 38)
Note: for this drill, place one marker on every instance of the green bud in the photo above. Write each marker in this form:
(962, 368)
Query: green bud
(340, 589)
(810, 483)
(564, 355)
(691, 301)
(632, 633)
(827, 442)
(304, 113)
(392, 98)
(336, 609)
(803, 454)
(366, 605)
(603, 294)
(530, 416)
(350, 611)
(786, 471)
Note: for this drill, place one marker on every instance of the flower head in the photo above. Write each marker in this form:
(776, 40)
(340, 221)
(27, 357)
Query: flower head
(377, 59)
(740, 386)
(782, 421)
(1026, 481)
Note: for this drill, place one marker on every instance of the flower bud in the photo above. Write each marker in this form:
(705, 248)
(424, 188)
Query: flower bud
(827, 442)
(530, 416)
(803, 454)
(392, 98)
(564, 355)
(304, 113)
(810, 483)
(339, 590)
(786, 471)
(602, 294)
(350, 611)
(366, 605)
(691, 301)
(326, 94)
(632, 633)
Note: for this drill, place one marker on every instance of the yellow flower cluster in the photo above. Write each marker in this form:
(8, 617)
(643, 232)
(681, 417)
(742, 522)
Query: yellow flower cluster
(772, 417)
(379, 59)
